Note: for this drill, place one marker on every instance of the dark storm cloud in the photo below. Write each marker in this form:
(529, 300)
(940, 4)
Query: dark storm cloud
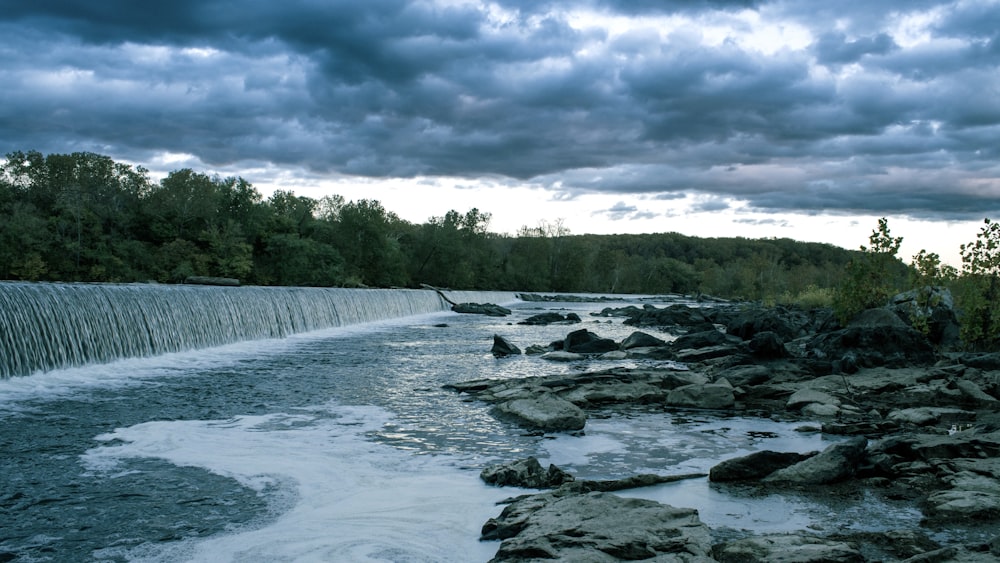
(858, 117)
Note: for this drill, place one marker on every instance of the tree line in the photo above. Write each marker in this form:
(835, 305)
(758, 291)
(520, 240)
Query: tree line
(85, 217)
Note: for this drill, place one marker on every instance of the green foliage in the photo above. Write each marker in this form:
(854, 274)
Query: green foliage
(870, 279)
(979, 292)
(84, 217)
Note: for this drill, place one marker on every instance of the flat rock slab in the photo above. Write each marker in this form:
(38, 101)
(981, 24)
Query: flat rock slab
(597, 527)
(546, 412)
(790, 548)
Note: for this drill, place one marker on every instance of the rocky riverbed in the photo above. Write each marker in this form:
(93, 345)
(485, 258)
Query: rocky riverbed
(920, 424)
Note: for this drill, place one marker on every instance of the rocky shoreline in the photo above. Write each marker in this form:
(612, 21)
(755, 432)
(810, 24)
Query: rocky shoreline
(920, 425)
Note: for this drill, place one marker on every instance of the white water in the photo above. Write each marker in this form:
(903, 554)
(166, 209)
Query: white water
(348, 498)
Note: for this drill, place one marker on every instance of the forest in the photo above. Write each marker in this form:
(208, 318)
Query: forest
(85, 217)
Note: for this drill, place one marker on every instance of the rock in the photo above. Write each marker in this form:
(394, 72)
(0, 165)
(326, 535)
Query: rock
(503, 348)
(746, 376)
(818, 410)
(973, 496)
(546, 412)
(697, 340)
(872, 346)
(932, 307)
(807, 396)
(527, 473)
(709, 353)
(924, 416)
(836, 463)
(560, 356)
(597, 527)
(641, 340)
(673, 315)
(788, 324)
(702, 396)
(536, 350)
(878, 317)
(614, 355)
(754, 466)
(767, 345)
(973, 391)
(585, 342)
(488, 309)
(787, 548)
(550, 318)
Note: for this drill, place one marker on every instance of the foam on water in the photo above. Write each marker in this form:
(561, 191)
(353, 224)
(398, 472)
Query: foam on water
(343, 497)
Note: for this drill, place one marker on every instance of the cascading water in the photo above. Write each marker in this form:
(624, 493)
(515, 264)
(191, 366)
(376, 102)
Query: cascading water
(52, 326)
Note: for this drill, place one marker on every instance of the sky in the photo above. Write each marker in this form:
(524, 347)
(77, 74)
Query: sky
(754, 118)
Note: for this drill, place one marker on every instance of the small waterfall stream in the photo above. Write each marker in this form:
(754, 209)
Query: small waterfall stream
(46, 326)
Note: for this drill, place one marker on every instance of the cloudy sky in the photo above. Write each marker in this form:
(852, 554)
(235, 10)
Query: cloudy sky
(769, 118)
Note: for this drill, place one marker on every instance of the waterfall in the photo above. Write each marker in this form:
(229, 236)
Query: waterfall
(47, 326)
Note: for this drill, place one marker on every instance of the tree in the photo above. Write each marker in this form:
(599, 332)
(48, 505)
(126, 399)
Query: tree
(870, 276)
(979, 290)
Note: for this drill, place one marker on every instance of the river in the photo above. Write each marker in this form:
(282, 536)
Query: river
(337, 445)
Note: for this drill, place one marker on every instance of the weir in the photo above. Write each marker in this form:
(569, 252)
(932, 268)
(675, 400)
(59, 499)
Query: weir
(47, 326)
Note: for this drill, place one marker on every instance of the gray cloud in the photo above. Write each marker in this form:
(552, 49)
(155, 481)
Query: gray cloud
(857, 119)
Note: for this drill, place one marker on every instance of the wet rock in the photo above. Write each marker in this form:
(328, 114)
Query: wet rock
(597, 527)
(585, 342)
(526, 473)
(640, 339)
(561, 356)
(503, 347)
(547, 412)
(488, 309)
(754, 466)
(836, 463)
(787, 548)
(551, 318)
(702, 396)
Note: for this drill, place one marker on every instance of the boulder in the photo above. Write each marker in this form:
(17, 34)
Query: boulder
(640, 339)
(702, 396)
(503, 347)
(873, 346)
(807, 396)
(547, 412)
(788, 324)
(697, 340)
(673, 315)
(746, 376)
(526, 473)
(925, 416)
(597, 527)
(932, 307)
(836, 463)
(767, 345)
(550, 318)
(754, 466)
(787, 548)
(585, 342)
(488, 309)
